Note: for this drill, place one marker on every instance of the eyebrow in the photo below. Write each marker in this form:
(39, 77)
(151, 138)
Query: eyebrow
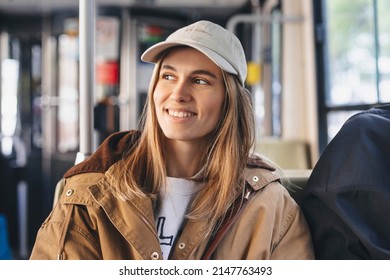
(200, 71)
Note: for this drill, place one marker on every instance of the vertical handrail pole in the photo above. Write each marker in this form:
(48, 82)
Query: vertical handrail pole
(87, 22)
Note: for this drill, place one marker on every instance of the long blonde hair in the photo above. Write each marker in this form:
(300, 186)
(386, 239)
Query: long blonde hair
(223, 162)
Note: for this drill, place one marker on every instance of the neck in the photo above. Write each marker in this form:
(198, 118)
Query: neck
(183, 158)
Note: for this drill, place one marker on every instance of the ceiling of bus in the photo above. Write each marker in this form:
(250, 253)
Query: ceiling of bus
(44, 6)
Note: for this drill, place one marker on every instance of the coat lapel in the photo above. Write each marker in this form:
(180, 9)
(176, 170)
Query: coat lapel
(133, 219)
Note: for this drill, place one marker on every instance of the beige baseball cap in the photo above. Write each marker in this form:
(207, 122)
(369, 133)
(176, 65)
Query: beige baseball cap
(214, 41)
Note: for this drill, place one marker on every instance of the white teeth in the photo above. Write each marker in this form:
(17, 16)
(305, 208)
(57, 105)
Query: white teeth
(180, 114)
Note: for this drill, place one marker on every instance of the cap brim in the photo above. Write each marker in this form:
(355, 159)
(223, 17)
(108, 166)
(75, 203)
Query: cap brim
(153, 54)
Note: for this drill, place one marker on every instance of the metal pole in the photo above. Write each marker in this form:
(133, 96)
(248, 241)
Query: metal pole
(377, 50)
(4, 53)
(87, 19)
(258, 19)
(49, 63)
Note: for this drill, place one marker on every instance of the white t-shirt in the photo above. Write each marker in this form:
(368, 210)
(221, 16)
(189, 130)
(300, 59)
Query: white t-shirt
(175, 199)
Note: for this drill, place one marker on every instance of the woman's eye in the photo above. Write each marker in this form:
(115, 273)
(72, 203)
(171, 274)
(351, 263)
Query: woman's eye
(200, 82)
(167, 77)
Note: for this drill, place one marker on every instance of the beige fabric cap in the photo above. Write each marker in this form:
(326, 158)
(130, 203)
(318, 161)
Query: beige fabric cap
(214, 41)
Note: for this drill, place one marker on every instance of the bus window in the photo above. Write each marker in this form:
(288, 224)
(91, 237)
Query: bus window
(357, 63)
(68, 94)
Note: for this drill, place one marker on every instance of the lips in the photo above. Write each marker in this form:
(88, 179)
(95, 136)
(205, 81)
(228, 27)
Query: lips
(180, 114)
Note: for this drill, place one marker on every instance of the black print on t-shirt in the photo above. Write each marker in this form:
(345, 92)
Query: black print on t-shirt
(160, 230)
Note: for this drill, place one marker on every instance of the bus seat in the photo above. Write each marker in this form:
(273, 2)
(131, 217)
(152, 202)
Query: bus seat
(295, 181)
(287, 154)
(58, 191)
(5, 247)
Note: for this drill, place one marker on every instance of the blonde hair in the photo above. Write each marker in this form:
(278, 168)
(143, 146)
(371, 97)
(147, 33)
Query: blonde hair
(223, 162)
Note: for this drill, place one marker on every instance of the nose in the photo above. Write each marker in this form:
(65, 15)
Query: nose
(180, 93)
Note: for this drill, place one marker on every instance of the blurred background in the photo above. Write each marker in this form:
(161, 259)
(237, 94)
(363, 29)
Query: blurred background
(311, 65)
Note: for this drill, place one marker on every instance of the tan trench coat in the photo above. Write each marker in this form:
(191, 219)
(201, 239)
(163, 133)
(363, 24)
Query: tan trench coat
(89, 222)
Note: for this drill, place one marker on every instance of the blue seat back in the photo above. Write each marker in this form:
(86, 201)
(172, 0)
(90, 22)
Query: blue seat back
(5, 249)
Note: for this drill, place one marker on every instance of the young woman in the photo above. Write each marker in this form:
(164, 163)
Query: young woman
(186, 186)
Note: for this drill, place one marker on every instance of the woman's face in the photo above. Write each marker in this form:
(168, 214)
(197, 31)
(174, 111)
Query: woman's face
(189, 95)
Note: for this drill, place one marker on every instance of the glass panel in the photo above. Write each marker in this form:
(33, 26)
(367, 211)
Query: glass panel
(107, 57)
(352, 69)
(9, 103)
(384, 50)
(68, 94)
(36, 85)
(276, 76)
(106, 111)
(336, 121)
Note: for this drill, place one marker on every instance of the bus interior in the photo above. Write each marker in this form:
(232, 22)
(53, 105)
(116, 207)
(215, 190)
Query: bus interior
(311, 65)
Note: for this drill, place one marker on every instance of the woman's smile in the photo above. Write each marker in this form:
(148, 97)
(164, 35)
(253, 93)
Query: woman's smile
(180, 114)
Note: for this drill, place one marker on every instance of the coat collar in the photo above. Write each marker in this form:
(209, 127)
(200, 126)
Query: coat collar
(258, 174)
(109, 152)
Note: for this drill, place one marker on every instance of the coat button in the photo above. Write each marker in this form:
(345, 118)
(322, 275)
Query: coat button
(155, 256)
(182, 245)
(69, 192)
(255, 178)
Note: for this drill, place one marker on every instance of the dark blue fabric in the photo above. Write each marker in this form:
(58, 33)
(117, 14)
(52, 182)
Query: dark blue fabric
(5, 250)
(347, 198)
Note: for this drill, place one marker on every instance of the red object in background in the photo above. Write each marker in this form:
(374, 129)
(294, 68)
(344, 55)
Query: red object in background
(107, 73)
